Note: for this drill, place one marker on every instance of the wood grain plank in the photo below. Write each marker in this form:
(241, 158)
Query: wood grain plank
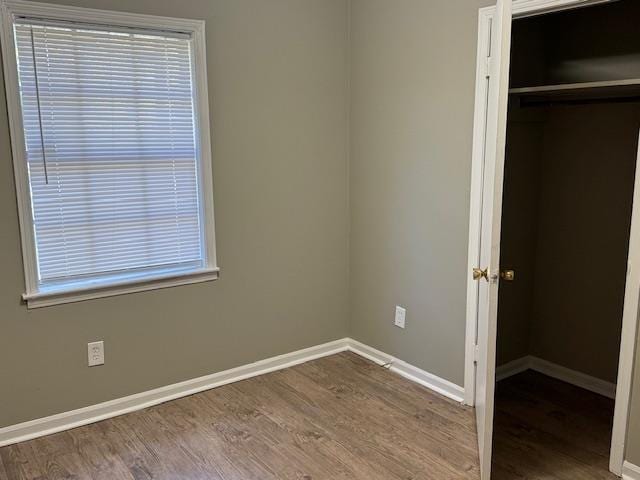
(336, 418)
(548, 429)
(19, 464)
(422, 443)
(3, 472)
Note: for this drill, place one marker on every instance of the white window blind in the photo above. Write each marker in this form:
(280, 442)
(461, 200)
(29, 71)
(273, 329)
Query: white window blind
(111, 150)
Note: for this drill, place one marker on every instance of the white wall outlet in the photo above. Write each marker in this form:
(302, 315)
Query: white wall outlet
(401, 313)
(95, 351)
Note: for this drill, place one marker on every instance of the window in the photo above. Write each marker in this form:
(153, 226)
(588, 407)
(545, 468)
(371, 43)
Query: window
(111, 151)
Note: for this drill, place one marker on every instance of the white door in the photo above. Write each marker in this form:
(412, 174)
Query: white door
(630, 322)
(496, 129)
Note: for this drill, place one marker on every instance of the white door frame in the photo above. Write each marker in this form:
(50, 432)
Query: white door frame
(524, 8)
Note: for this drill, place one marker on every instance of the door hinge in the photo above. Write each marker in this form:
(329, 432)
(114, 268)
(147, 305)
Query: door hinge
(476, 353)
(487, 66)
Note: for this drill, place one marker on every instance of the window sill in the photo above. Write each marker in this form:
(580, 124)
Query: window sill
(79, 294)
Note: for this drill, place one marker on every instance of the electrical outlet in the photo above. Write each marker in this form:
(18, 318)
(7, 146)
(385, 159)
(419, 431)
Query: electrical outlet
(401, 313)
(95, 351)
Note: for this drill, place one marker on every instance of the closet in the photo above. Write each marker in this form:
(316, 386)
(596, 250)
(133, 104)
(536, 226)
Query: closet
(572, 146)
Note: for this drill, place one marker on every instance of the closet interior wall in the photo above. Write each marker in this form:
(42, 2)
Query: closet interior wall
(567, 212)
(568, 191)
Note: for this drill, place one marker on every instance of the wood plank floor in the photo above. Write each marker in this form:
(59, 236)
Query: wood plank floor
(339, 417)
(547, 429)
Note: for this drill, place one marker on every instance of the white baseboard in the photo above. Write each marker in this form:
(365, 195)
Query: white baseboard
(512, 368)
(101, 411)
(630, 471)
(558, 372)
(415, 374)
(573, 377)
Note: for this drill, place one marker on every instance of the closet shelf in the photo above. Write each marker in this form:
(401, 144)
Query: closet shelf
(577, 92)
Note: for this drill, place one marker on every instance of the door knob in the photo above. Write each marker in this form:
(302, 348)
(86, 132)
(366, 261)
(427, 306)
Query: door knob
(478, 273)
(508, 275)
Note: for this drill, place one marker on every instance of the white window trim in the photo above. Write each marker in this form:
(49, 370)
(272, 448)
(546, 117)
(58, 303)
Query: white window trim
(9, 10)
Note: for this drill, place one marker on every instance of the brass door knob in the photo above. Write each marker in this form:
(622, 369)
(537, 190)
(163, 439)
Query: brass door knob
(508, 275)
(478, 273)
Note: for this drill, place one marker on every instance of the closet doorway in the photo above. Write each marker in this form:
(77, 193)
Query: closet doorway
(554, 237)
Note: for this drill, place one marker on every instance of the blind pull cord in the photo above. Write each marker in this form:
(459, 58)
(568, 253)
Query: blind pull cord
(35, 71)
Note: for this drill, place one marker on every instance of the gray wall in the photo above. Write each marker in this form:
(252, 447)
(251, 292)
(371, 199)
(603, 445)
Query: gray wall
(412, 91)
(278, 98)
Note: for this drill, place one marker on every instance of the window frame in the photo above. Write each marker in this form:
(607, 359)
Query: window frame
(10, 10)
